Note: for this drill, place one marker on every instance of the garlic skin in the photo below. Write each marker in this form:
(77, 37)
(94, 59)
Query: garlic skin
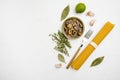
(92, 22)
(90, 13)
(58, 65)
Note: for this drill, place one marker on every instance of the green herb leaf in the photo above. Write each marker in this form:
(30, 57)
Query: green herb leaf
(61, 48)
(64, 39)
(65, 12)
(61, 41)
(61, 58)
(97, 61)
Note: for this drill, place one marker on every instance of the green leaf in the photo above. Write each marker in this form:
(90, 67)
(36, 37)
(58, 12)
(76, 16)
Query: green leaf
(61, 58)
(67, 44)
(61, 48)
(97, 61)
(64, 39)
(61, 35)
(65, 12)
(61, 42)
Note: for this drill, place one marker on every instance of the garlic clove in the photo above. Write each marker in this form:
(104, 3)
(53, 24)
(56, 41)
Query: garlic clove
(90, 13)
(58, 65)
(92, 22)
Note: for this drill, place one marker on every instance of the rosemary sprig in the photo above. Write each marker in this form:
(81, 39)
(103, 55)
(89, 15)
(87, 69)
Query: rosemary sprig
(61, 42)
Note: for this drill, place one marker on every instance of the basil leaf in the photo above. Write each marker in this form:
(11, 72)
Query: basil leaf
(65, 12)
(61, 58)
(97, 61)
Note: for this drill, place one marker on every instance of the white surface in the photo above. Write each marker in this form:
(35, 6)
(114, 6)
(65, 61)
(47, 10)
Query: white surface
(26, 50)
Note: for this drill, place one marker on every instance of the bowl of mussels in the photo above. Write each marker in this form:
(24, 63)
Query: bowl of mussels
(73, 27)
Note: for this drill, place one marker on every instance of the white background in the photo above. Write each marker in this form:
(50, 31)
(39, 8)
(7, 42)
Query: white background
(26, 50)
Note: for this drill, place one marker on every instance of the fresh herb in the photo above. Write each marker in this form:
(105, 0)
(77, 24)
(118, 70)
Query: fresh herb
(65, 12)
(64, 39)
(62, 42)
(61, 58)
(61, 48)
(97, 61)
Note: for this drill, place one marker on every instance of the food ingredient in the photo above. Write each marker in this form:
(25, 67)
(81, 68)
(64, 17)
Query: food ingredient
(80, 8)
(61, 41)
(61, 58)
(97, 61)
(92, 22)
(58, 65)
(90, 13)
(65, 12)
(84, 55)
(73, 27)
